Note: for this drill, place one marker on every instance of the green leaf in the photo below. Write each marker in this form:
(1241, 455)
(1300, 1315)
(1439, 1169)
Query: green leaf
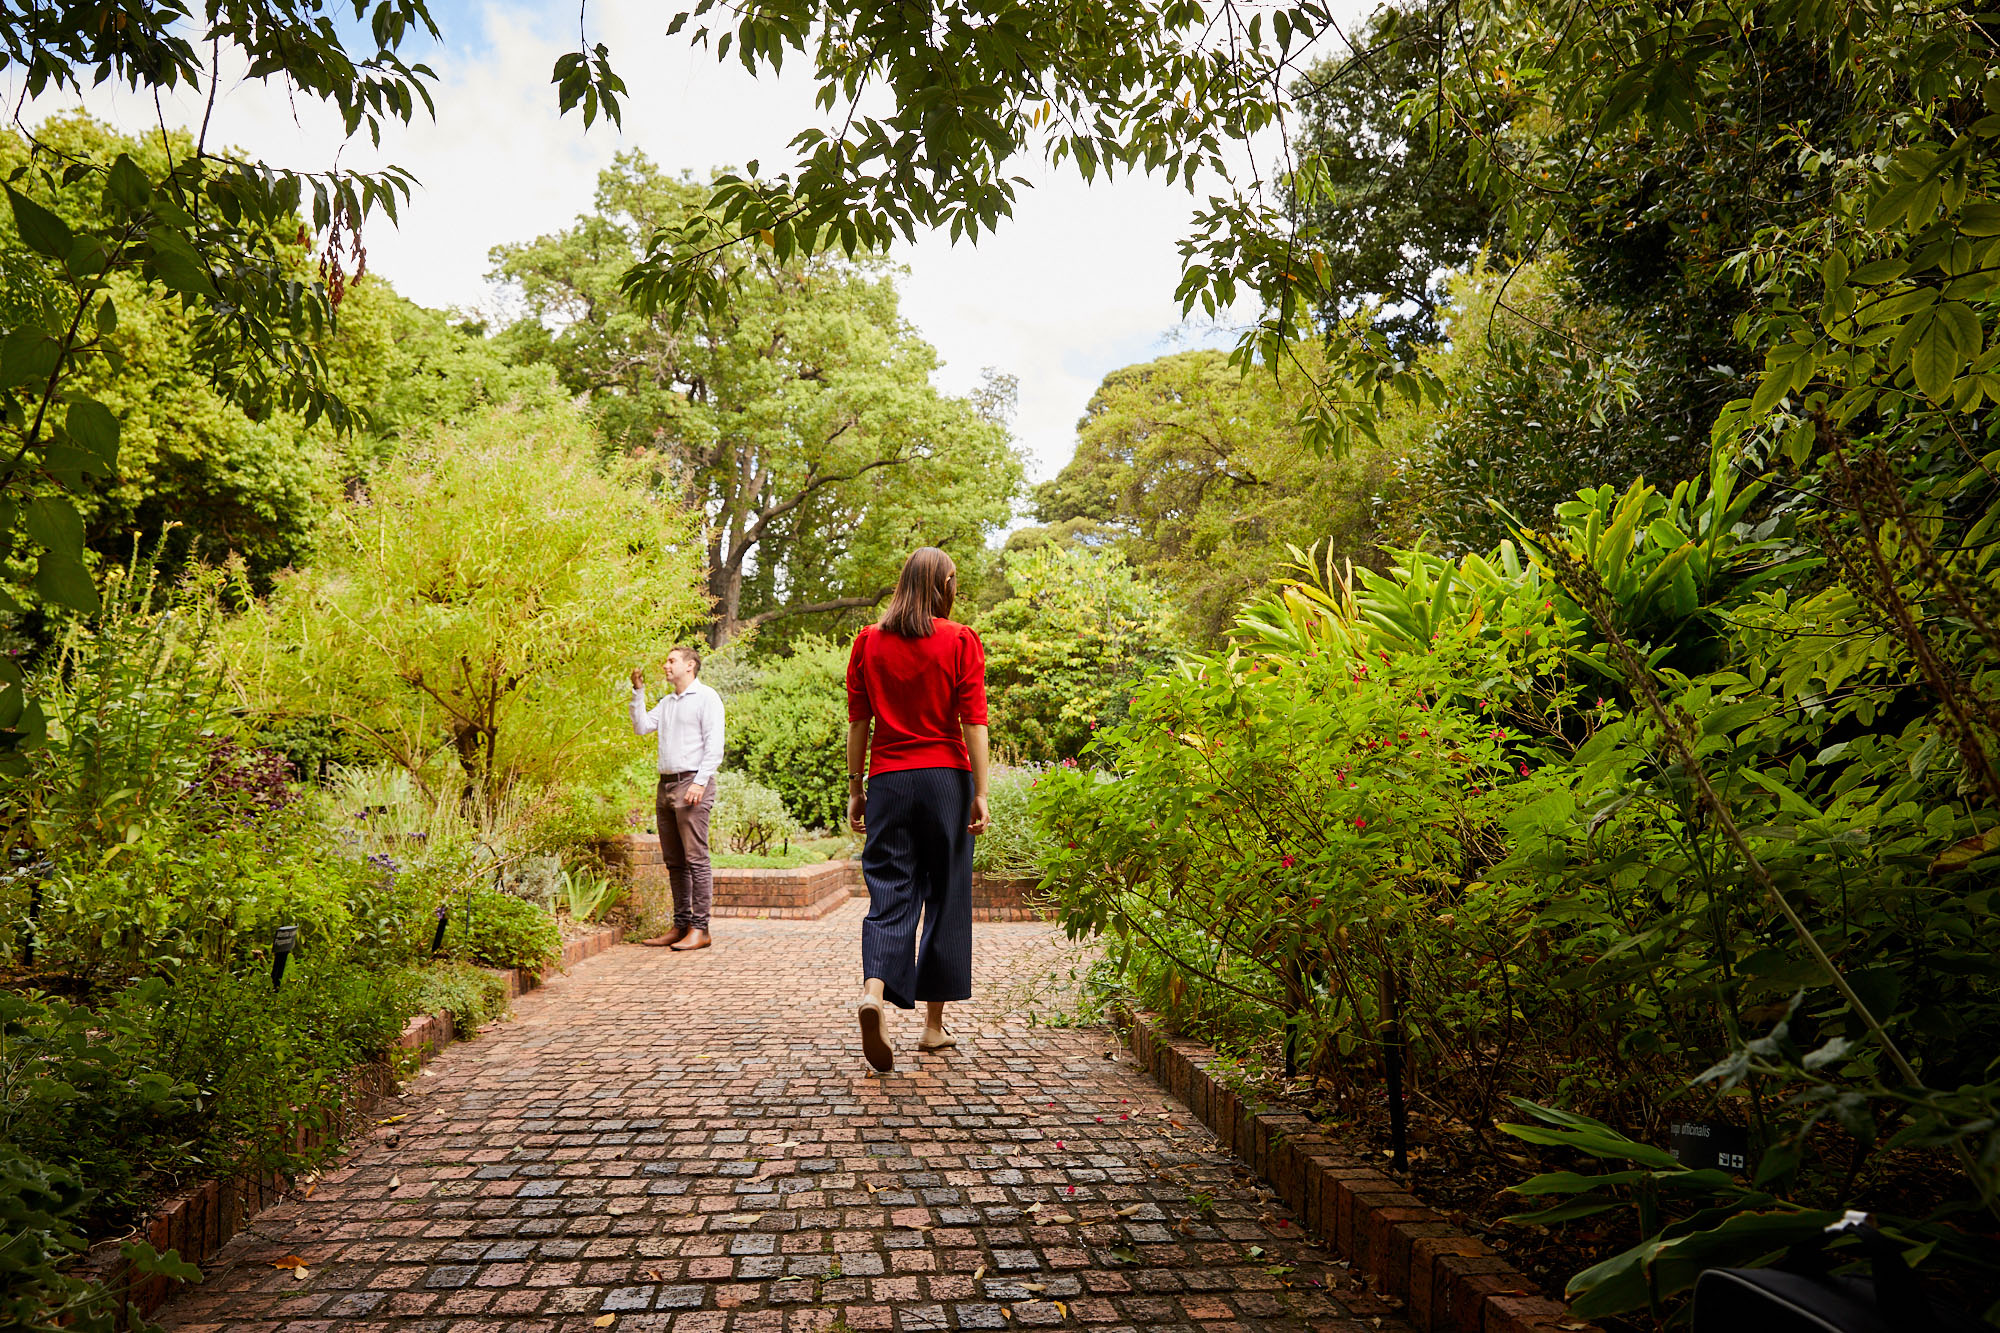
(63, 580)
(1588, 1205)
(1935, 360)
(26, 356)
(1573, 1182)
(1587, 1135)
(92, 427)
(1881, 270)
(128, 184)
(54, 525)
(41, 229)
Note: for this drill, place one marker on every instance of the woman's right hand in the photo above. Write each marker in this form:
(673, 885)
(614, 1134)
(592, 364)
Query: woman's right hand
(857, 812)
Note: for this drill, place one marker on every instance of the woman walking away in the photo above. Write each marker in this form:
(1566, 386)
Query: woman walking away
(918, 681)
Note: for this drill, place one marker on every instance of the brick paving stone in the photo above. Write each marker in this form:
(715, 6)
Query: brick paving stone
(690, 1143)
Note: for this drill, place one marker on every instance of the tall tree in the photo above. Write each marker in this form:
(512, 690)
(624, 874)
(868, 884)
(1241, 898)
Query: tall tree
(1200, 476)
(1380, 191)
(478, 602)
(799, 417)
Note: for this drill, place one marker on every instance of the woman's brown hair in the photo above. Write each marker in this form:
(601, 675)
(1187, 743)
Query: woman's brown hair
(924, 592)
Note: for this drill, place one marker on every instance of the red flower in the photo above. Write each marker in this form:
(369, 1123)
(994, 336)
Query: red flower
(1361, 823)
(1402, 735)
(1286, 862)
(1524, 770)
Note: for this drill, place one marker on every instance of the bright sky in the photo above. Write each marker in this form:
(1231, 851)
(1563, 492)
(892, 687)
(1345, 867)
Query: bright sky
(1079, 283)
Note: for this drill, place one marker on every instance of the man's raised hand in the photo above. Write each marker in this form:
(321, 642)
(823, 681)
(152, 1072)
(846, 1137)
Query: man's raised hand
(638, 679)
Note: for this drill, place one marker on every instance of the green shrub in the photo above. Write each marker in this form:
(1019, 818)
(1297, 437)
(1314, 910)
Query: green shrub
(1012, 844)
(43, 1207)
(473, 996)
(790, 732)
(749, 817)
(587, 895)
(1077, 629)
(210, 1073)
(500, 930)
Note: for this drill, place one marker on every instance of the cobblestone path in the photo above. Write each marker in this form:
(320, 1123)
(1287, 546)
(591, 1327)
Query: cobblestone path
(661, 1141)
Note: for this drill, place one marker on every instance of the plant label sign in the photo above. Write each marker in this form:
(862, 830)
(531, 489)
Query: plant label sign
(1701, 1144)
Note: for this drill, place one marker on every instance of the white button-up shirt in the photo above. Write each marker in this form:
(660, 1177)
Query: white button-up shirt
(690, 728)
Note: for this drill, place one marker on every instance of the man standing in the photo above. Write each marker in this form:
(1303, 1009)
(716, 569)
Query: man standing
(689, 722)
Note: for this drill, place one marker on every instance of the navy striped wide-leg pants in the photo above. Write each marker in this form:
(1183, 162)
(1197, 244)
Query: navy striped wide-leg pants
(918, 861)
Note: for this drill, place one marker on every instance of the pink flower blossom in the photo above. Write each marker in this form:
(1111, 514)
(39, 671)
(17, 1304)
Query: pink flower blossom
(1286, 862)
(1361, 823)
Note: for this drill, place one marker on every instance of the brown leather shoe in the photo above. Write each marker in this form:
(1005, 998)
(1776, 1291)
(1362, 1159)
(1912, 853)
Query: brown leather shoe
(697, 938)
(668, 940)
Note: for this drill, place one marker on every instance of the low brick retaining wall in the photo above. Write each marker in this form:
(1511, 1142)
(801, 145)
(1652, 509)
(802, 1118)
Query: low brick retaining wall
(1007, 898)
(199, 1222)
(804, 893)
(1447, 1281)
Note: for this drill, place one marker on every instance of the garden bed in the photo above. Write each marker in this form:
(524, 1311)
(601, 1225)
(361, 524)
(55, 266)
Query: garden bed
(1394, 1231)
(196, 1222)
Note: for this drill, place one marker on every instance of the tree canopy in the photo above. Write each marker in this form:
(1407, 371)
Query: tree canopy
(477, 601)
(800, 419)
(1197, 473)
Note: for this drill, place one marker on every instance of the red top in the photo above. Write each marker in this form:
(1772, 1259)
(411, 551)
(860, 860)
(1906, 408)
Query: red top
(918, 691)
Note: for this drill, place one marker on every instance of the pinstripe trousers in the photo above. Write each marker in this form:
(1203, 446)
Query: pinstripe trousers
(917, 862)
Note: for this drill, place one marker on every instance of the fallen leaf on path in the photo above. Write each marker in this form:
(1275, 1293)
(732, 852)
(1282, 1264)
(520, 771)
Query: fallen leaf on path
(742, 1219)
(979, 1272)
(1034, 1286)
(300, 1272)
(914, 1226)
(1132, 1209)
(390, 1120)
(789, 1143)
(1032, 1208)
(1062, 1309)
(395, 1182)
(605, 1320)
(1059, 1219)
(288, 1261)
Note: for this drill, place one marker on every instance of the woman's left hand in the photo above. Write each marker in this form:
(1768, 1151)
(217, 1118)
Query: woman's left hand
(980, 817)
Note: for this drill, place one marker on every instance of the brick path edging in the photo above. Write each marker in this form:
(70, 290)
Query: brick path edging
(1448, 1281)
(521, 980)
(200, 1221)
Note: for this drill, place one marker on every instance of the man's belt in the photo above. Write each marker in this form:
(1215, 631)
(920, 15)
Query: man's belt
(682, 776)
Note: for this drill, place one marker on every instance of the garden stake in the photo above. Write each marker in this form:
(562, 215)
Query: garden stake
(282, 943)
(1392, 1071)
(437, 936)
(28, 926)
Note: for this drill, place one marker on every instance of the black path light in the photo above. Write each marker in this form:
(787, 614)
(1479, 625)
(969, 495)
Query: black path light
(37, 873)
(283, 942)
(437, 936)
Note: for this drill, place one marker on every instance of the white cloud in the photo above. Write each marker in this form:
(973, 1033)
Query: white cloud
(1079, 282)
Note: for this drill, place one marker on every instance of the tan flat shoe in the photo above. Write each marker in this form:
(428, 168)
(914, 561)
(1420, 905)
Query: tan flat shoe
(946, 1044)
(696, 939)
(668, 940)
(874, 1046)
